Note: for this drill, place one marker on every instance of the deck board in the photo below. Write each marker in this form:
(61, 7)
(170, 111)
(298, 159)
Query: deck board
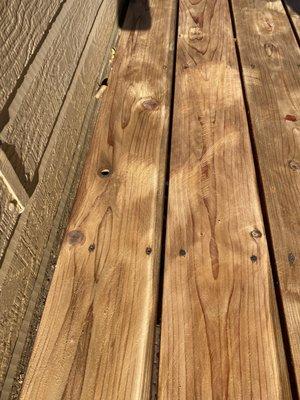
(96, 335)
(270, 60)
(220, 332)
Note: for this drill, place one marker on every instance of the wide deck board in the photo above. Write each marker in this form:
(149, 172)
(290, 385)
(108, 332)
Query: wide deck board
(96, 334)
(270, 60)
(220, 333)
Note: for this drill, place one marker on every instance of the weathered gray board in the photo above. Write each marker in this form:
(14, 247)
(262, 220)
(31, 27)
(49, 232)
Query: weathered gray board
(23, 24)
(21, 273)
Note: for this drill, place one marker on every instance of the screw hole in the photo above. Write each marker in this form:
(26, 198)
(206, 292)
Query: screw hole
(148, 251)
(182, 253)
(104, 173)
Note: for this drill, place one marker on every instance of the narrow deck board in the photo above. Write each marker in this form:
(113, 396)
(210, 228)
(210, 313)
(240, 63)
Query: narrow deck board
(96, 335)
(220, 333)
(270, 59)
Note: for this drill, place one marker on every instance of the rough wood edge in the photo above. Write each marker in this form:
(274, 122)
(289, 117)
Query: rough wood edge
(12, 181)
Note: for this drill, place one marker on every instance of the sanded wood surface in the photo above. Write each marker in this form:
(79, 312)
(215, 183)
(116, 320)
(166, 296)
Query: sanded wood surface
(270, 60)
(220, 333)
(22, 27)
(34, 111)
(96, 335)
(28, 253)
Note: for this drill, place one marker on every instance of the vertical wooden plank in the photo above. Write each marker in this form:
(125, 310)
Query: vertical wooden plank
(28, 252)
(34, 110)
(220, 333)
(23, 24)
(96, 335)
(270, 60)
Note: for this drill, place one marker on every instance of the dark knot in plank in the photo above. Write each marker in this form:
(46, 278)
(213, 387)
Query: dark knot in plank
(75, 237)
(150, 104)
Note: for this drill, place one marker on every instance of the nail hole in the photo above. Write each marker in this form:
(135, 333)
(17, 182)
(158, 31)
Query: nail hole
(182, 253)
(253, 258)
(148, 251)
(92, 247)
(291, 258)
(104, 173)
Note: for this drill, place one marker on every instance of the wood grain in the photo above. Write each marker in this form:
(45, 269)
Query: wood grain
(220, 333)
(23, 24)
(270, 60)
(28, 253)
(37, 104)
(96, 335)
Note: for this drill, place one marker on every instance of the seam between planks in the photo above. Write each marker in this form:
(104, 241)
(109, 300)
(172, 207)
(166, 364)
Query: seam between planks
(155, 365)
(289, 17)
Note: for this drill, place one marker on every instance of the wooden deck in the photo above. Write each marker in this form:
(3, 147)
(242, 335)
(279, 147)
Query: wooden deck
(187, 216)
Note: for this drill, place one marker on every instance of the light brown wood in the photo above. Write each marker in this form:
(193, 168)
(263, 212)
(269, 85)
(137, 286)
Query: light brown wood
(270, 60)
(34, 111)
(23, 24)
(12, 202)
(220, 333)
(28, 252)
(96, 335)
(10, 210)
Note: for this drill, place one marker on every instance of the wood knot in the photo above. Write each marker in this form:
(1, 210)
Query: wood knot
(290, 117)
(150, 104)
(270, 49)
(196, 33)
(12, 206)
(291, 259)
(294, 165)
(75, 237)
(256, 234)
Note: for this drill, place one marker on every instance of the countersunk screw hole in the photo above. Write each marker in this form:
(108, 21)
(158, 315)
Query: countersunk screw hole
(182, 253)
